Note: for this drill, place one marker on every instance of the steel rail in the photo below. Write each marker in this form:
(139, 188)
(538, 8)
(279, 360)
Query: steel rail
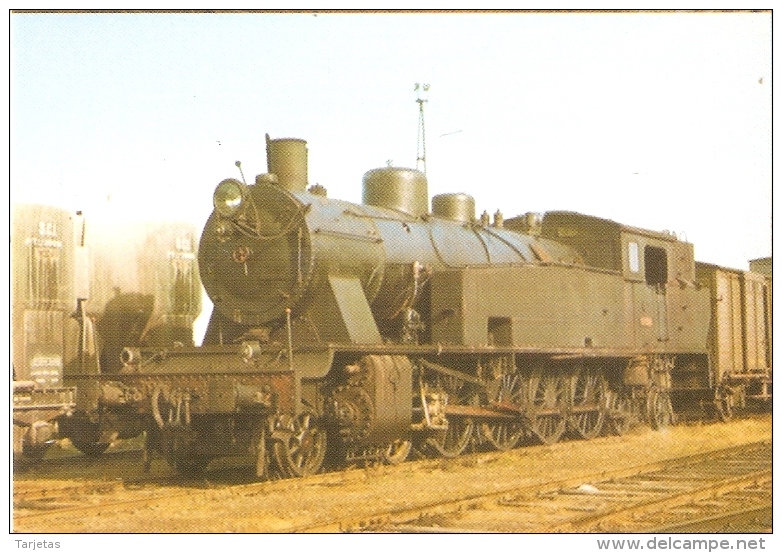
(706, 524)
(657, 505)
(395, 518)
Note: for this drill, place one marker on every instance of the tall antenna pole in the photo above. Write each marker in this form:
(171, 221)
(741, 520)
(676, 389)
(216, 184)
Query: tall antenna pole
(422, 91)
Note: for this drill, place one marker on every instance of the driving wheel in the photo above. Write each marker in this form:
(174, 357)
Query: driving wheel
(503, 435)
(588, 403)
(548, 400)
(451, 442)
(620, 414)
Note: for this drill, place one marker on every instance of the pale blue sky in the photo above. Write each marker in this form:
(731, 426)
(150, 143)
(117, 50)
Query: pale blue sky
(654, 120)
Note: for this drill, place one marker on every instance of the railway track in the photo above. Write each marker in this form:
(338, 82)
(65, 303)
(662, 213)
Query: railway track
(83, 498)
(433, 494)
(747, 520)
(655, 496)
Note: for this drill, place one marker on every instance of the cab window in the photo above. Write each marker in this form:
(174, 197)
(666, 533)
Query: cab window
(655, 266)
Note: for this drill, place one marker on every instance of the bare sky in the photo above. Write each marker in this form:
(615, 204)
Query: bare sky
(657, 120)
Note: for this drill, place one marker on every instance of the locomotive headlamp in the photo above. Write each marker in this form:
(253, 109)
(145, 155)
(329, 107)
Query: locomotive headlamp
(229, 197)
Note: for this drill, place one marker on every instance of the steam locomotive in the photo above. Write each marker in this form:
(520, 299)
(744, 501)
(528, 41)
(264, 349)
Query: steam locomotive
(344, 332)
(80, 293)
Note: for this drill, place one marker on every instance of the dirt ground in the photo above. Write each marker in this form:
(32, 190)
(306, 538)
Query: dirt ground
(285, 506)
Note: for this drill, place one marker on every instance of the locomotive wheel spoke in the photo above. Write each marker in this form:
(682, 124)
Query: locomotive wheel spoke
(453, 441)
(588, 402)
(548, 428)
(659, 410)
(620, 414)
(303, 451)
(397, 452)
(505, 435)
(502, 435)
(587, 424)
(548, 399)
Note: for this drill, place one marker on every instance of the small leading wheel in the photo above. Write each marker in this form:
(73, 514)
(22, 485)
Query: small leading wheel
(451, 442)
(397, 452)
(724, 401)
(659, 409)
(303, 450)
(588, 404)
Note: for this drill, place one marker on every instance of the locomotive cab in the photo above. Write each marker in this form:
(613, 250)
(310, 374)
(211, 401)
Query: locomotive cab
(658, 271)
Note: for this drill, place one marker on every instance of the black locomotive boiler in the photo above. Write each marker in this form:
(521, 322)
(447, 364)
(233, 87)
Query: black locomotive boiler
(345, 331)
